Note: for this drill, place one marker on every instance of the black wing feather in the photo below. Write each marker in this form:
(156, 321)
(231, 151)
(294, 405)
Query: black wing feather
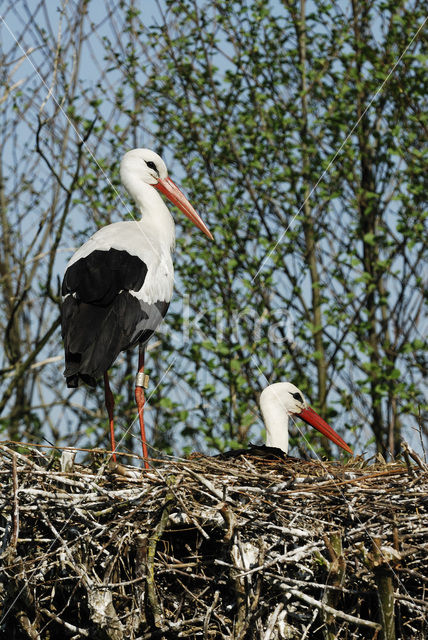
(100, 318)
(100, 276)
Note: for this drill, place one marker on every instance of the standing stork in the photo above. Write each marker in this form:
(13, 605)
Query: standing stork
(281, 400)
(118, 285)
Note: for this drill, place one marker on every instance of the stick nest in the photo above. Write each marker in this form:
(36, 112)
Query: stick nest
(241, 548)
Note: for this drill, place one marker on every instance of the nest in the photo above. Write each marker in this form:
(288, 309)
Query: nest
(241, 548)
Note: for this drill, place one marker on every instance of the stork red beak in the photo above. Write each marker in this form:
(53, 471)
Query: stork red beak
(311, 417)
(173, 193)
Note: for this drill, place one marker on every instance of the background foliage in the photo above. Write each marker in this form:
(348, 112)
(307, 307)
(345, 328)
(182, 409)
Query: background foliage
(298, 131)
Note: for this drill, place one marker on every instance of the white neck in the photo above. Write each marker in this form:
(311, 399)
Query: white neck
(275, 417)
(158, 221)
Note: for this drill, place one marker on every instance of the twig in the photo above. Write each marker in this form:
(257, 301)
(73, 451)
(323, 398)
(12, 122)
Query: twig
(209, 613)
(70, 627)
(421, 464)
(272, 621)
(15, 532)
(153, 541)
(335, 612)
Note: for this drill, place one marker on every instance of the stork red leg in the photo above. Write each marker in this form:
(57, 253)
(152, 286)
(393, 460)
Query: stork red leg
(139, 398)
(110, 408)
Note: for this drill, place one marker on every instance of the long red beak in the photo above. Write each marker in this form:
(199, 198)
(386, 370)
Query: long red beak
(173, 193)
(311, 417)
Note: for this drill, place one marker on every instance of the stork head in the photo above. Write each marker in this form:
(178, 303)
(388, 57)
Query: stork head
(145, 166)
(283, 399)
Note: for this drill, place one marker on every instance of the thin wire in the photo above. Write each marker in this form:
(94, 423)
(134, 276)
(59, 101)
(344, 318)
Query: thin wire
(332, 161)
(81, 139)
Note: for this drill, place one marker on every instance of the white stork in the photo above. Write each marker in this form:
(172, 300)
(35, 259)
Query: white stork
(118, 285)
(281, 400)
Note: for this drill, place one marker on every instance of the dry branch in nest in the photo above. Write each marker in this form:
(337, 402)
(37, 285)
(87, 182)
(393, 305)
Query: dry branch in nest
(242, 548)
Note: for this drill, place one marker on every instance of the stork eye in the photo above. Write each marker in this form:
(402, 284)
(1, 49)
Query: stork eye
(297, 396)
(151, 165)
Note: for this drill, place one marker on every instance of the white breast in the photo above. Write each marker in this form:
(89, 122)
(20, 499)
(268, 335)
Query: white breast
(142, 240)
